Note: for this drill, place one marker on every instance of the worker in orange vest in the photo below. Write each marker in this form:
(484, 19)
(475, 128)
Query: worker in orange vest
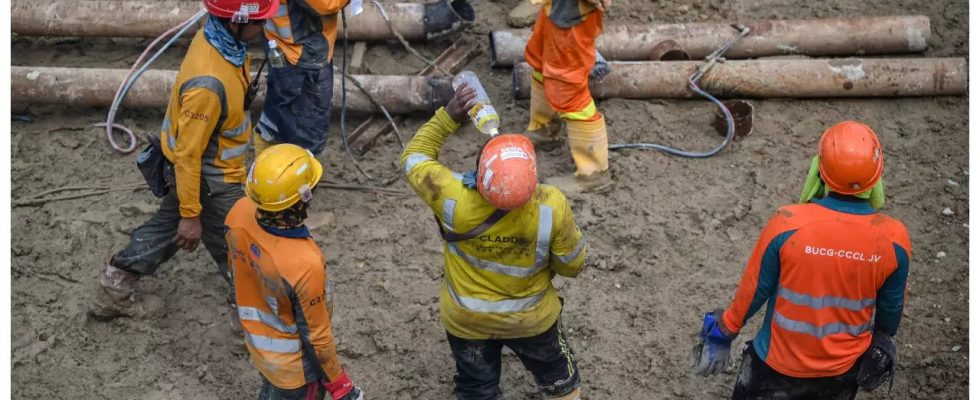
(562, 53)
(298, 98)
(200, 158)
(831, 272)
(283, 292)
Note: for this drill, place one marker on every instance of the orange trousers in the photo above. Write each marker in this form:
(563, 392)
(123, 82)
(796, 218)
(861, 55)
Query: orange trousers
(564, 59)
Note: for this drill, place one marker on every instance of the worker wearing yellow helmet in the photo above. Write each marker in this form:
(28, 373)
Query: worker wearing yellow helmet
(282, 290)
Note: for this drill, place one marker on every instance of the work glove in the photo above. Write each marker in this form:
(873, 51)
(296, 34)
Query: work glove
(710, 355)
(343, 389)
(877, 364)
(601, 67)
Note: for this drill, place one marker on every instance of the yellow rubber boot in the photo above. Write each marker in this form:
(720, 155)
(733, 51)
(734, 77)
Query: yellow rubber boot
(545, 127)
(574, 395)
(259, 142)
(589, 146)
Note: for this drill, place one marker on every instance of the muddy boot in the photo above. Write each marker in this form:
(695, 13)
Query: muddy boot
(573, 395)
(597, 182)
(116, 297)
(545, 127)
(524, 14)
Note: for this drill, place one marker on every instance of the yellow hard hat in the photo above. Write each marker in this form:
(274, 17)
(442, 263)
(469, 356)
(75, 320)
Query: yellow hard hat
(282, 175)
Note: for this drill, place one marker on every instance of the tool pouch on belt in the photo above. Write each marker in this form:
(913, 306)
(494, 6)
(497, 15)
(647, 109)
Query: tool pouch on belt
(877, 364)
(450, 236)
(153, 165)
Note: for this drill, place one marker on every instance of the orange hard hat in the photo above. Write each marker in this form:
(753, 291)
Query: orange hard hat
(508, 172)
(850, 158)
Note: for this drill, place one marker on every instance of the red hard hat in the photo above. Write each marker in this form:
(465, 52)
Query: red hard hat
(850, 158)
(508, 172)
(242, 11)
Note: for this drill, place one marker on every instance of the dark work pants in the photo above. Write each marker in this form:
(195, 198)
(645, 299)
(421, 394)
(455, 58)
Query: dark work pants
(547, 356)
(297, 106)
(756, 380)
(153, 244)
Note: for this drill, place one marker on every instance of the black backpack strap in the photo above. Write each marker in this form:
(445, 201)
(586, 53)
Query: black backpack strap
(450, 236)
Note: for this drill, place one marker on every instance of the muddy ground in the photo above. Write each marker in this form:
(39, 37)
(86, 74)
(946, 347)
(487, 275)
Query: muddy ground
(672, 238)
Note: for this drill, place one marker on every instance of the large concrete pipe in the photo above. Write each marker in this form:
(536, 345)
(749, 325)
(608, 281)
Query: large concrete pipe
(97, 87)
(134, 18)
(813, 37)
(793, 78)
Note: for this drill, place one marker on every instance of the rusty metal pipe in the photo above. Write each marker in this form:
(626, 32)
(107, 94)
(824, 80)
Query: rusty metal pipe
(804, 78)
(96, 87)
(812, 37)
(104, 18)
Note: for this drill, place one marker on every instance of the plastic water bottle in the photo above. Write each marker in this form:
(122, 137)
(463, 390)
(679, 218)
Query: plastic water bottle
(483, 115)
(354, 7)
(276, 58)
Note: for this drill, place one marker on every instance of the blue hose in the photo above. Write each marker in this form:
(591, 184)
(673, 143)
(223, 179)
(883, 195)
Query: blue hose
(729, 133)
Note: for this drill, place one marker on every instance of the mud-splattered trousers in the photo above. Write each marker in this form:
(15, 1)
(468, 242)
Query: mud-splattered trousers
(153, 243)
(548, 356)
(756, 380)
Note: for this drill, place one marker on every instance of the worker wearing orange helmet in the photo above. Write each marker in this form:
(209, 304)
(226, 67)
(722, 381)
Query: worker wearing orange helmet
(282, 289)
(505, 239)
(298, 98)
(200, 157)
(833, 271)
(562, 53)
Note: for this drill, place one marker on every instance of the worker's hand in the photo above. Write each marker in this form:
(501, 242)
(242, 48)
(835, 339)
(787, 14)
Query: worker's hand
(710, 355)
(188, 233)
(601, 4)
(460, 104)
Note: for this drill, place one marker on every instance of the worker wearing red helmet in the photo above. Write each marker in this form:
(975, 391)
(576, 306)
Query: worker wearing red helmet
(505, 238)
(282, 289)
(833, 271)
(562, 53)
(299, 94)
(204, 138)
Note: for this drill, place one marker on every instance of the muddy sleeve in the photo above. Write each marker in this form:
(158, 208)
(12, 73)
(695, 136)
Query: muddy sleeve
(200, 109)
(568, 246)
(310, 306)
(890, 300)
(322, 7)
(420, 160)
(761, 276)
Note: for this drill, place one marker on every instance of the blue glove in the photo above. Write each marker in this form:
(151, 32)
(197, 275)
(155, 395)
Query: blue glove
(710, 354)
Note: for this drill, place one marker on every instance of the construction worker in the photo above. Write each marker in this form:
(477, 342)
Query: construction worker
(204, 138)
(298, 97)
(833, 271)
(281, 286)
(562, 53)
(506, 237)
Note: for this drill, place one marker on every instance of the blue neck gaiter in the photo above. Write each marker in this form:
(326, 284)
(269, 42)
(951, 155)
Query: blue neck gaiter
(219, 37)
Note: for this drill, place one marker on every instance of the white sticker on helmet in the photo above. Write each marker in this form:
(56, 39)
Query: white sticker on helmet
(305, 193)
(302, 169)
(487, 176)
(512, 152)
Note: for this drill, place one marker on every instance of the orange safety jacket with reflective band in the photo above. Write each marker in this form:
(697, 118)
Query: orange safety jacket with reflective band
(205, 131)
(306, 30)
(498, 284)
(284, 300)
(832, 272)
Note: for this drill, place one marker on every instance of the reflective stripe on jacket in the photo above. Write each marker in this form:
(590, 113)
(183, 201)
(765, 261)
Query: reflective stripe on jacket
(497, 285)
(831, 271)
(284, 301)
(205, 131)
(306, 30)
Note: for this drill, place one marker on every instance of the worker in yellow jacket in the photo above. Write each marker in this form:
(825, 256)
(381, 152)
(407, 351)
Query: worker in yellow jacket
(506, 238)
(204, 137)
(562, 53)
(281, 286)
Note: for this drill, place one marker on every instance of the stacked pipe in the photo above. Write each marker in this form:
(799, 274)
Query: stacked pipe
(645, 72)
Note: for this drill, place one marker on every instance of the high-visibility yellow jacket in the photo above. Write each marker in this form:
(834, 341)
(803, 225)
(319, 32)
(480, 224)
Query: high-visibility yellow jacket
(205, 130)
(284, 302)
(497, 285)
(306, 30)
